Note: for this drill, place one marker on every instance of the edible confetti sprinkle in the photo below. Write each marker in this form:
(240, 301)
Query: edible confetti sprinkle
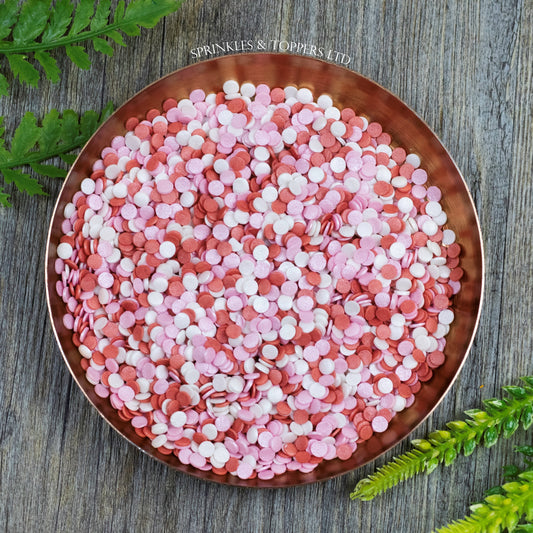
(257, 281)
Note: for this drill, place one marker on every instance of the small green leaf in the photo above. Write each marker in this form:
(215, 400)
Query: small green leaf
(440, 435)
(48, 170)
(4, 85)
(510, 472)
(528, 475)
(528, 380)
(49, 65)
(449, 456)
(51, 131)
(526, 418)
(494, 490)
(4, 198)
(68, 158)
(32, 20)
(26, 136)
(494, 403)
(106, 112)
(116, 36)
(509, 426)
(512, 487)
(5, 156)
(78, 56)
(101, 45)
(359, 491)
(119, 12)
(88, 123)
(23, 182)
(25, 71)
(468, 447)
(421, 444)
(431, 465)
(101, 15)
(477, 414)
(525, 450)
(457, 425)
(131, 29)
(70, 128)
(8, 16)
(495, 499)
(490, 437)
(82, 16)
(148, 13)
(59, 21)
(516, 392)
(510, 522)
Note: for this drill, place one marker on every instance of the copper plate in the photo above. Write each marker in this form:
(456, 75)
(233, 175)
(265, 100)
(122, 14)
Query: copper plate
(348, 89)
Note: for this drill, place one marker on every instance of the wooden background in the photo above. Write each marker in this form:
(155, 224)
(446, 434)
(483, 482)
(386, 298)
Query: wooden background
(463, 66)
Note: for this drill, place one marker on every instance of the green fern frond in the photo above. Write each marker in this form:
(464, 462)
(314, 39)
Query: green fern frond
(32, 144)
(501, 417)
(30, 30)
(508, 514)
(390, 474)
(500, 512)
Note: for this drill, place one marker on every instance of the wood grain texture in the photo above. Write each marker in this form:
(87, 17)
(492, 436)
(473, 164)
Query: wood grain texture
(465, 68)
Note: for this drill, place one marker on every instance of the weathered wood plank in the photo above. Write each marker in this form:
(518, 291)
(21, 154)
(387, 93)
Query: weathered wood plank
(465, 67)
